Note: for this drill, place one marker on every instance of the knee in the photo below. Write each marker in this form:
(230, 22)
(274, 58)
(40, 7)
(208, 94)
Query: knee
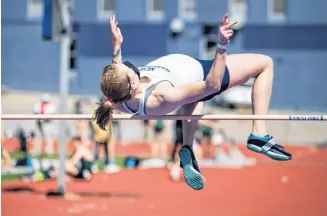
(268, 61)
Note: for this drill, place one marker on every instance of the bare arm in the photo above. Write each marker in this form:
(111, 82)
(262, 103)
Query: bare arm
(217, 70)
(172, 97)
(216, 74)
(181, 95)
(116, 56)
(184, 94)
(117, 40)
(169, 98)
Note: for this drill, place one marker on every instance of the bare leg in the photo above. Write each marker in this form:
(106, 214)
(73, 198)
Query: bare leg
(82, 152)
(71, 169)
(242, 67)
(38, 141)
(96, 150)
(189, 127)
(111, 147)
(111, 167)
(191, 170)
(106, 153)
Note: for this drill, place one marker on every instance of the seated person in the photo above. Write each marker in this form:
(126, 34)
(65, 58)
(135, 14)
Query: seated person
(78, 166)
(106, 139)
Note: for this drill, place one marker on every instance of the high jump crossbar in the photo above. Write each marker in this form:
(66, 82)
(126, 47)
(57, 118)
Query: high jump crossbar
(168, 117)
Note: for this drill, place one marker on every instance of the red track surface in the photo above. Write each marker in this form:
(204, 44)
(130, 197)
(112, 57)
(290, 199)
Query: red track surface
(270, 188)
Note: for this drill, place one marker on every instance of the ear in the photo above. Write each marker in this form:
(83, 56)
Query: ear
(134, 83)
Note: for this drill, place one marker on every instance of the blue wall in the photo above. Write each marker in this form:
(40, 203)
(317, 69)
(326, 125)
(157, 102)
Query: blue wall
(298, 12)
(298, 45)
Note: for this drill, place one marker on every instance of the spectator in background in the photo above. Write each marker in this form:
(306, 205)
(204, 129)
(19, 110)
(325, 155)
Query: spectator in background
(178, 139)
(104, 138)
(159, 143)
(82, 126)
(146, 127)
(45, 128)
(116, 129)
(5, 157)
(175, 170)
(209, 133)
(2, 128)
(205, 131)
(78, 166)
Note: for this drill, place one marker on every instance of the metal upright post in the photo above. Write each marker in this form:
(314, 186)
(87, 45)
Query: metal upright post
(64, 90)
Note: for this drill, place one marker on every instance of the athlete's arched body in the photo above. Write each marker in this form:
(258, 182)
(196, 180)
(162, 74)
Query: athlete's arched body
(179, 81)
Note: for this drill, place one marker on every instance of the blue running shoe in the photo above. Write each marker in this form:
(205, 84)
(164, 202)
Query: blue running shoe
(192, 174)
(268, 146)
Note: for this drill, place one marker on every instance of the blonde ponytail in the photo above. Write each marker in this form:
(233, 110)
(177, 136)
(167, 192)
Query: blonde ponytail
(103, 114)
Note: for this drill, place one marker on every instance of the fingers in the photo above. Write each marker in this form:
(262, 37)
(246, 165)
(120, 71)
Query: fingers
(231, 25)
(113, 18)
(228, 26)
(225, 17)
(113, 24)
(110, 20)
(113, 21)
(118, 31)
(223, 20)
(228, 33)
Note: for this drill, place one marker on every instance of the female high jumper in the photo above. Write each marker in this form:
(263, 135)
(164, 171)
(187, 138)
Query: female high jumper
(179, 81)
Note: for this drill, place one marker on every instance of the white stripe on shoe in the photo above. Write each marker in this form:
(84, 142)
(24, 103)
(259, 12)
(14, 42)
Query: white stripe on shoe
(269, 145)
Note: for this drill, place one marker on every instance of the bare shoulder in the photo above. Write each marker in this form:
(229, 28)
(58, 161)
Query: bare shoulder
(161, 89)
(155, 104)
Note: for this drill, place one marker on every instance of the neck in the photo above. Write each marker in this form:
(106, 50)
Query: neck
(134, 102)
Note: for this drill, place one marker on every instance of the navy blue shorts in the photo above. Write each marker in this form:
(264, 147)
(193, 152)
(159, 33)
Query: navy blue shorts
(206, 65)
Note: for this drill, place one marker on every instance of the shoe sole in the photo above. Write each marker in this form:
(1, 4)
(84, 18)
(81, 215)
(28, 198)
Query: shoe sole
(270, 154)
(192, 177)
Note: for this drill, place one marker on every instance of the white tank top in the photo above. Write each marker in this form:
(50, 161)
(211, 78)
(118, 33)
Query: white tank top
(176, 68)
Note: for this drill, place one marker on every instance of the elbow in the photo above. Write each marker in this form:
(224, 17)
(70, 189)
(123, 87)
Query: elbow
(213, 85)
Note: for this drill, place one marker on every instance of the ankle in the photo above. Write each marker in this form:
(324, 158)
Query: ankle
(259, 134)
(259, 131)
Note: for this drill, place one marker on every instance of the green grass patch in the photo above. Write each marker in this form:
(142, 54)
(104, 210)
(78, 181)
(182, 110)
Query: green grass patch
(11, 177)
(41, 156)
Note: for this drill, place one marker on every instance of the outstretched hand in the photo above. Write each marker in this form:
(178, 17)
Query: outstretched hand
(225, 30)
(117, 37)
